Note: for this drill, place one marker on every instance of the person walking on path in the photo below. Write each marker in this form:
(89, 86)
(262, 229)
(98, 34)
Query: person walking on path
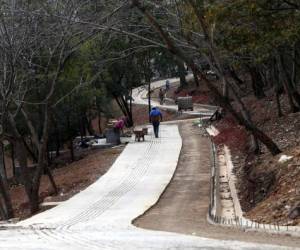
(161, 95)
(156, 118)
(167, 85)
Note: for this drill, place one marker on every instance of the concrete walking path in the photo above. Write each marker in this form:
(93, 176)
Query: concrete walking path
(184, 205)
(140, 97)
(100, 217)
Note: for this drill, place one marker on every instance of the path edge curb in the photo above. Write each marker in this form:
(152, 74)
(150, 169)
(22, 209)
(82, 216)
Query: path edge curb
(213, 215)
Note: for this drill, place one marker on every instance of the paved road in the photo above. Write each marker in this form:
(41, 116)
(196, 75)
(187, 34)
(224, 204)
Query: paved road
(184, 204)
(100, 217)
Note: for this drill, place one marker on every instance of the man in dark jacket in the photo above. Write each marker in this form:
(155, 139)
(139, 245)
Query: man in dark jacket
(156, 118)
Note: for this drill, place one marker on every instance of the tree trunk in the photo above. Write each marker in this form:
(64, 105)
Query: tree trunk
(149, 99)
(56, 136)
(3, 173)
(125, 109)
(51, 179)
(246, 115)
(279, 110)
(26, 177)
(99, 122)
(294, 68)
(278, 90)
(225, 87)
(6, 204)
(13, 158)
(257, 83)
(286, 86)
(70, 139)
(30, 151)
(39, 171)
(255, 145)
(196, 79)
(182, 73)
(235, 76)
(32, 185)
(71, 149)
(89, 126)
(130, 105)
(290, 83)
(42, 158)
(34, 200)
(57, 143)
(83, 124)
(21, 157)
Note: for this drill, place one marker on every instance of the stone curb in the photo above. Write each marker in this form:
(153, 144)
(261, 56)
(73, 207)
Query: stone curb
(241, 222)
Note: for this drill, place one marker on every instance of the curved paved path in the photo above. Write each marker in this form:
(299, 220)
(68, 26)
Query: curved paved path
(184, 205)
(100, 217)
(140, 97)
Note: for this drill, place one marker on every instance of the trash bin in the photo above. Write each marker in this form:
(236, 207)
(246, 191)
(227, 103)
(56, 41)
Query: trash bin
(113, 136)
(185, 103)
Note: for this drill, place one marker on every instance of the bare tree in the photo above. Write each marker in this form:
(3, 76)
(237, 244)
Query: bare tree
(36, 45)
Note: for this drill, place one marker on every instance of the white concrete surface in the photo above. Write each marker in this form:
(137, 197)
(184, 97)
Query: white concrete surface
(100, 216)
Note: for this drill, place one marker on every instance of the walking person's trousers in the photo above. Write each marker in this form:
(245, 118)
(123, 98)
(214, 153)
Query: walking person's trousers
(155, 128)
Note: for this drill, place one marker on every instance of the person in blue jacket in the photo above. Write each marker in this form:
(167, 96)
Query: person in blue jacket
(156, 118)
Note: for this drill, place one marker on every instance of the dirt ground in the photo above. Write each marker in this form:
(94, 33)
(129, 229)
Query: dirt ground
(184, 204)
(278, 187)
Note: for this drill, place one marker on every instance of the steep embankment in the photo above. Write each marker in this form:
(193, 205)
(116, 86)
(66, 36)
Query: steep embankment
(268, 190)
